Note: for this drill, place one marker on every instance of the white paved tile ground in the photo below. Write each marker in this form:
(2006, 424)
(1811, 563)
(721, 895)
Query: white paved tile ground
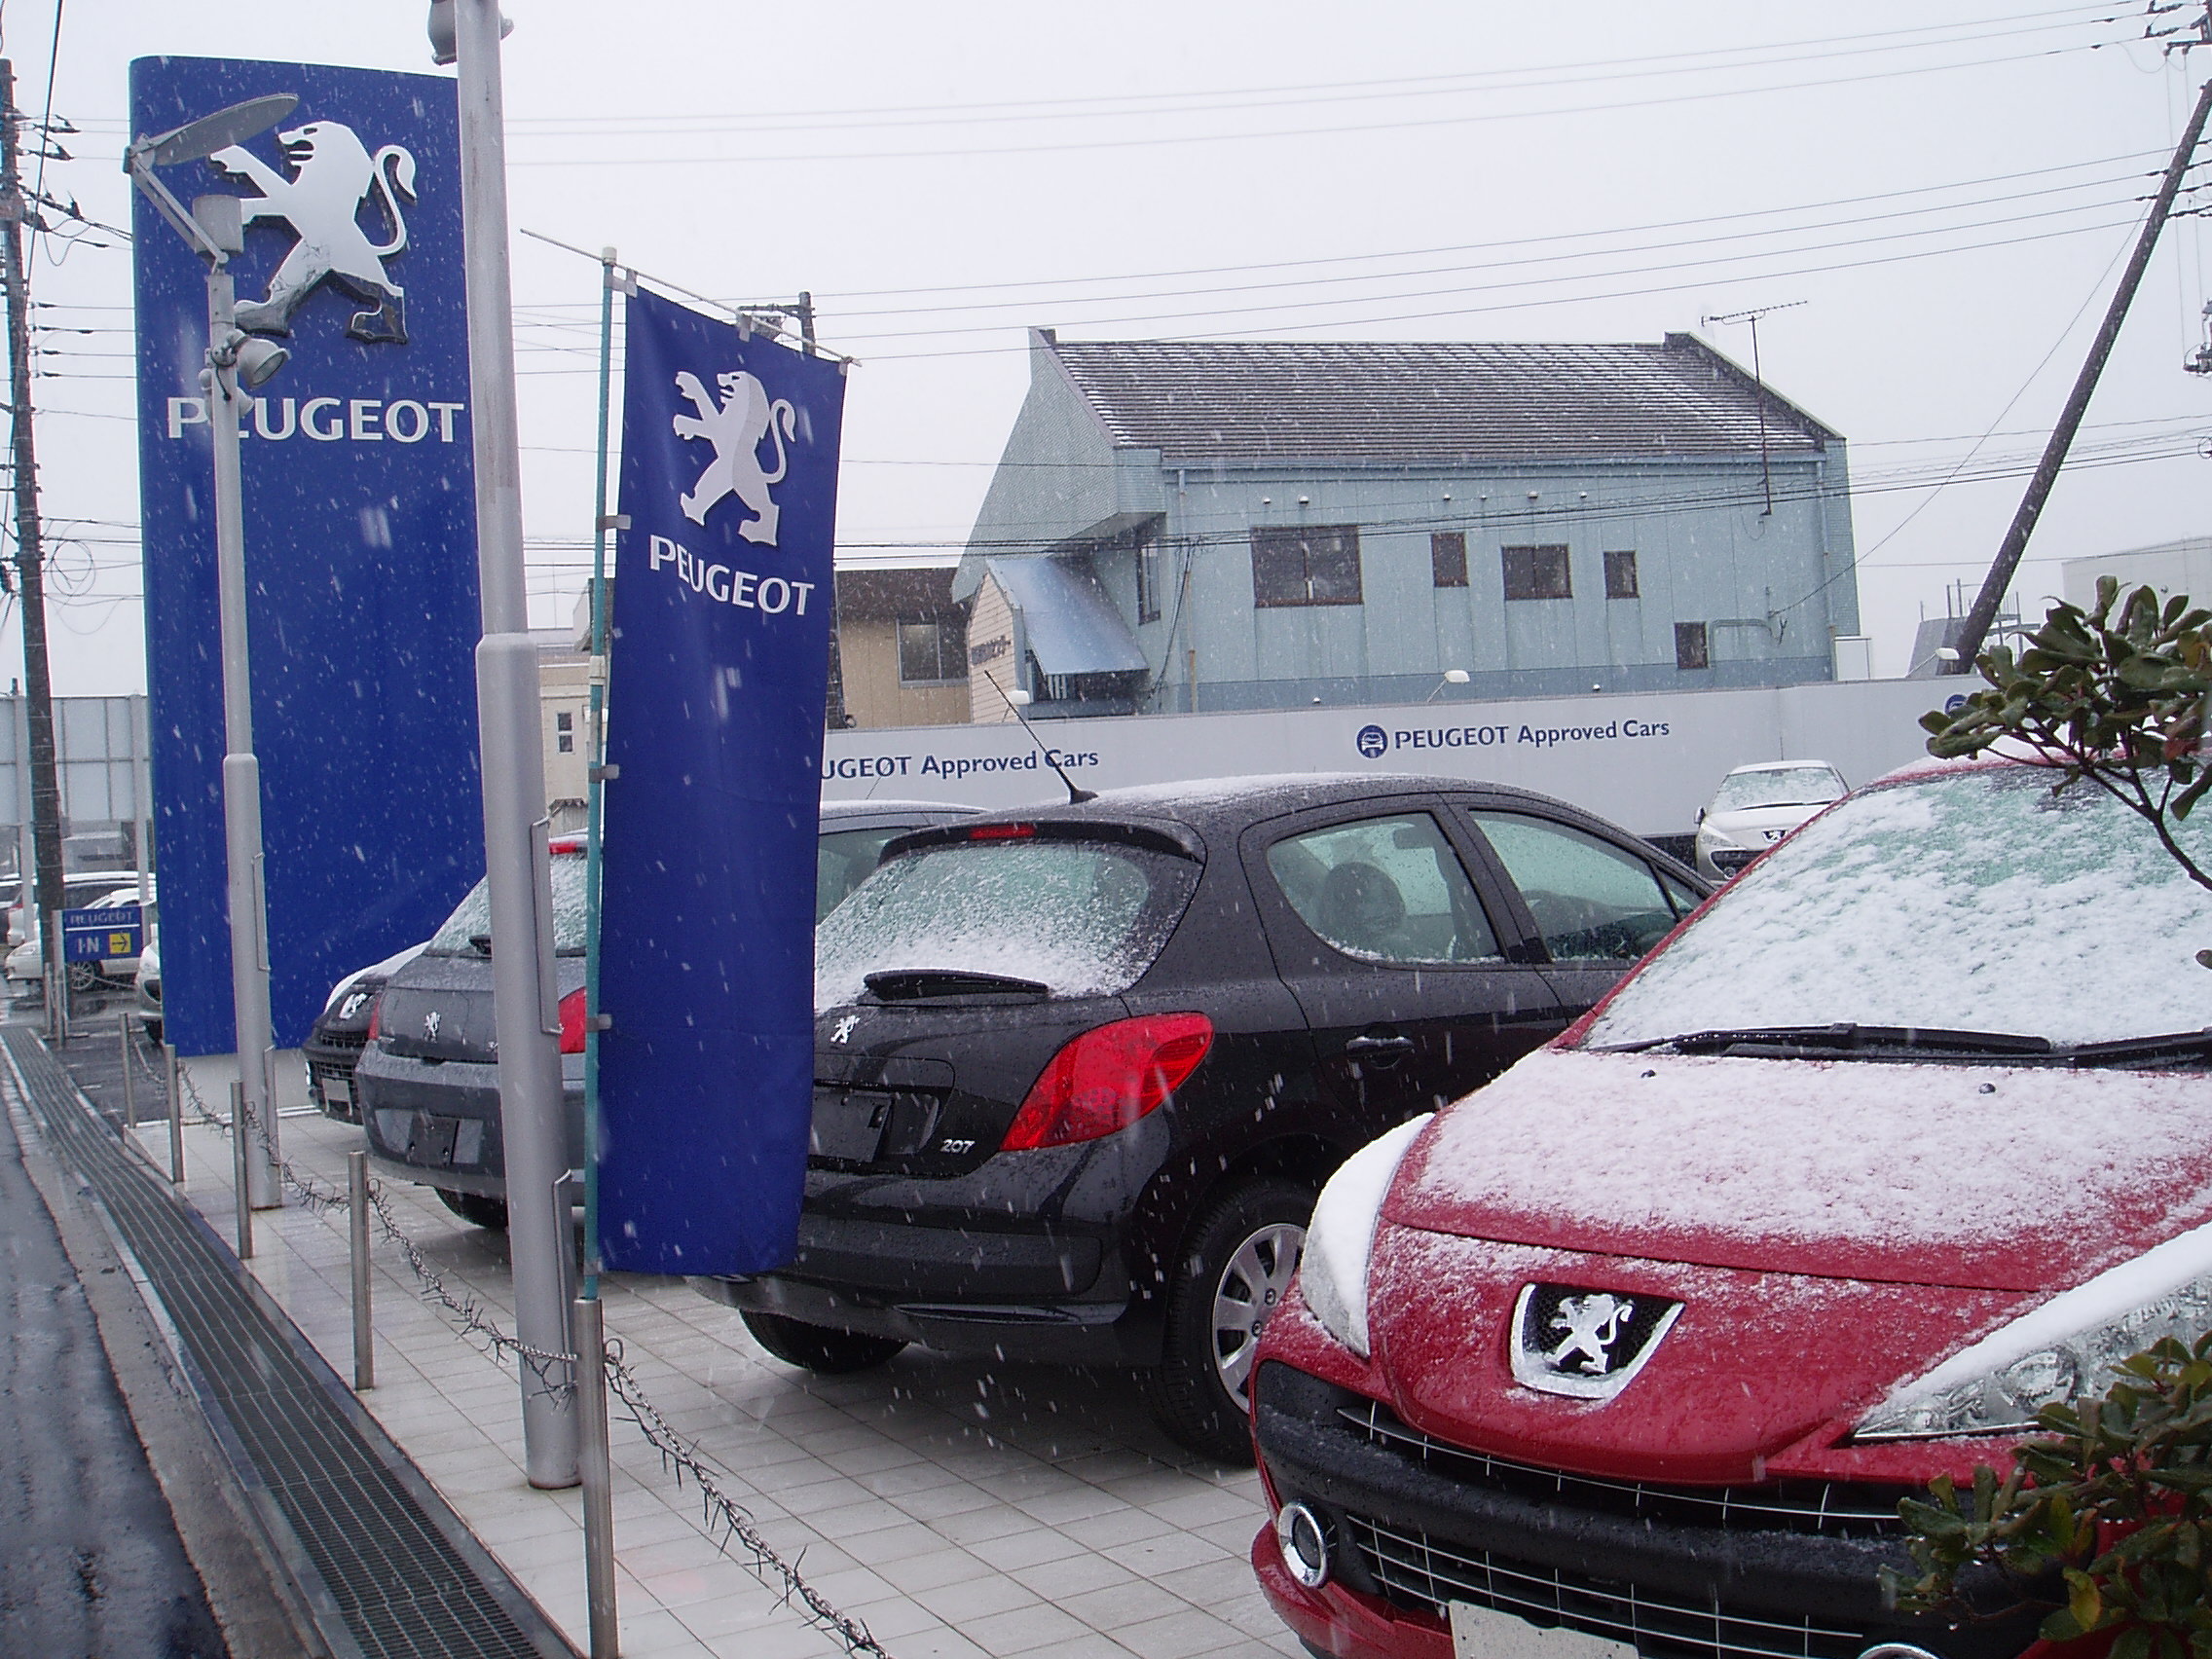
(960, 1508)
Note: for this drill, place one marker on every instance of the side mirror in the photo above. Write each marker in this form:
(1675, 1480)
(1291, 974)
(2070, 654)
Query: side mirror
(1701, 815)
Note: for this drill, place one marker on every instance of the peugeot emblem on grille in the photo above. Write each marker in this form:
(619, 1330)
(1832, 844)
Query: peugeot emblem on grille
(1586, 1344)
(430, 1023)
(844, 1028)
(353, 1004)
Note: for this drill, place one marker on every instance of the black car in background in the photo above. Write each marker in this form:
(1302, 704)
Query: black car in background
(426, 1079)
(334, 1042)
(1081, 1069)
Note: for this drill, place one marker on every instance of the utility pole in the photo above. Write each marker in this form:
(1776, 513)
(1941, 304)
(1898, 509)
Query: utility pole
(30, 576)
(1983, 611)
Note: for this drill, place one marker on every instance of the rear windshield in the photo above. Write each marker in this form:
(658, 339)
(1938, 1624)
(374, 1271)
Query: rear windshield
(1789, 786)
(1975, 901)
(844, 860)
(1083, 918)
(471, 918)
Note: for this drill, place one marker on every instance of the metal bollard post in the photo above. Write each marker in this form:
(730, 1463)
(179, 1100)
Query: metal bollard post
(176, 1116)
(238, 1132)
(595, 1463)
(130, 1083)
(358, 1218)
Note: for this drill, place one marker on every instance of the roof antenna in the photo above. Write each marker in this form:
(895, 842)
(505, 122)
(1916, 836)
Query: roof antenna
(1076, 797)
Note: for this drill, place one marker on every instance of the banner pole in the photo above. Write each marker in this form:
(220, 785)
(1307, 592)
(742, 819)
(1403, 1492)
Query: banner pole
(510, 722)
(595, 772)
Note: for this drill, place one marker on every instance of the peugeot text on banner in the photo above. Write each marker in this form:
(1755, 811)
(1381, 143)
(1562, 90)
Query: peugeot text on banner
(717, 670)
(359, 531)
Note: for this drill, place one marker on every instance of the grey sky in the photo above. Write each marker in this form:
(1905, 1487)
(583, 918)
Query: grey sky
(1060, 167)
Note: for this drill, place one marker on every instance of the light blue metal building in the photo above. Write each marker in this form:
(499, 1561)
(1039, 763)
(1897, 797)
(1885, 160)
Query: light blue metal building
(1235, 526)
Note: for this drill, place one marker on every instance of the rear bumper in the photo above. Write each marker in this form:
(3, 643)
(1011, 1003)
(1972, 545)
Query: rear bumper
(1057, 1333)
(1405, 1539)
(439, 1124)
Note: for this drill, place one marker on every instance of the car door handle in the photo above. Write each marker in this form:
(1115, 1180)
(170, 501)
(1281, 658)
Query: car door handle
(1380, 1050)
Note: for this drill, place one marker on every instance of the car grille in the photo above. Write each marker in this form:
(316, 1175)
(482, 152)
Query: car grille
(1824, 1508)
(1414, 1570)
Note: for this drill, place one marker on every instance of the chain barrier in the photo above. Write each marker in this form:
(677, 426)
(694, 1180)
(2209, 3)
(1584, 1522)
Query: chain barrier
(729, 1523)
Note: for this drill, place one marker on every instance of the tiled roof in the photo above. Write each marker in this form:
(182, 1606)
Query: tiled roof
(1313, 401)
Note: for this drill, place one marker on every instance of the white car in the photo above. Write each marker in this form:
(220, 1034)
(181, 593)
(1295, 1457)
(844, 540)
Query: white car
(147, 982)
(1756, 806)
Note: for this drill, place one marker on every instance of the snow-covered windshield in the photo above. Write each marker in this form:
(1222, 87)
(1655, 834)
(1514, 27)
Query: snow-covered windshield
(1083, 918)
(1786, 786)
(471, 918)
(1971, 901)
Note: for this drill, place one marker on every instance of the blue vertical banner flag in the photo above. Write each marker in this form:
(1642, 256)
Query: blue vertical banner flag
(718, 664)
(360, 532)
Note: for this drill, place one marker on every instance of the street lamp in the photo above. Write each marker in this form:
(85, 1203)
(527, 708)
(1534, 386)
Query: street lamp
(237, 365)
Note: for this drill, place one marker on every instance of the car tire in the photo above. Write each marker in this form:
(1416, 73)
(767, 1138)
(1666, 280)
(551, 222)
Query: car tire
(818, 1347)
(1236, 1265)
(476, 1209)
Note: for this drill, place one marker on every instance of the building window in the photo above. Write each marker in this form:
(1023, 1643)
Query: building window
(1690, 646)
(931, 653)
(1621, 575)
(1448, 558)
(1317, 566)
(564, 733)
(1536, 572)
(1148, 579)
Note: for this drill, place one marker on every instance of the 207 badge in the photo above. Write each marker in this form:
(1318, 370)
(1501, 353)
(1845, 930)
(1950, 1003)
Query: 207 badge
(1586, 1344)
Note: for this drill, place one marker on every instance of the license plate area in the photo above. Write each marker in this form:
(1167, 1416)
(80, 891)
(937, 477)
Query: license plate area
(863, 1126)
(1484, 1632)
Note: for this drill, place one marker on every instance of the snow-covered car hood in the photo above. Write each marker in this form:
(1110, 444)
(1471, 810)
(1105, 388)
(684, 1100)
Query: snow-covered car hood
(2024, 1178)
(1752, 822)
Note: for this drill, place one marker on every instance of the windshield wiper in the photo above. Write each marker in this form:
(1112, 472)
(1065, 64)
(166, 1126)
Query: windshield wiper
(2175, 1045)
(910, 984)
(1845, 1038)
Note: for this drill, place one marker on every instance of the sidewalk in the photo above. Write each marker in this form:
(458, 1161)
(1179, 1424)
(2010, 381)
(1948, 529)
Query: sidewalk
(957, 1508)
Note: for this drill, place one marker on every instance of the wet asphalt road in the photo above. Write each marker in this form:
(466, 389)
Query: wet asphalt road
(90, 1559)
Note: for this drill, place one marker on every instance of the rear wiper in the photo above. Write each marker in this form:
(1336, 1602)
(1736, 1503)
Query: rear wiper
(1845, 1038)
(910, 984)
(2177, 1045)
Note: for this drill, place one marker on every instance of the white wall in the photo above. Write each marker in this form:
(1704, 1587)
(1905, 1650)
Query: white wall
(1647, 762)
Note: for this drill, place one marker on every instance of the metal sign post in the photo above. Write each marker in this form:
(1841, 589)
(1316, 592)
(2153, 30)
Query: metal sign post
(517, 865)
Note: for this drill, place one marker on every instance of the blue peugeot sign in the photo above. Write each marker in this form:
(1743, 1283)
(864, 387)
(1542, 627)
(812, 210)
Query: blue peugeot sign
(716, 677)
(359, 531)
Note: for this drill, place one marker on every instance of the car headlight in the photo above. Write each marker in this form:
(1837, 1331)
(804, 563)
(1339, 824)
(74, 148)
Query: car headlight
(2070, 1347)
(1333, 1271)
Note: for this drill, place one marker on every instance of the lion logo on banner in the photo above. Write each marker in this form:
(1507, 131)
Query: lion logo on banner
(736, 427)
(333, 177)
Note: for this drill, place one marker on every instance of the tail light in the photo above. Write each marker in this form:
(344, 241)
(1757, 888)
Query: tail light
(1107, 1079)
(573, 1023)
(376, 1016)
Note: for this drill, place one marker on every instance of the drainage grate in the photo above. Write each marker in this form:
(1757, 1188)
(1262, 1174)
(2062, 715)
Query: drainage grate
(396, 1568)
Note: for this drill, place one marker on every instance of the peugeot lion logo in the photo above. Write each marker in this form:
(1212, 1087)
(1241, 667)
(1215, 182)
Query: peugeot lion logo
(844, 1028)
(737, 426)
(1585, 1344)
(333, 177)
(430, 1023)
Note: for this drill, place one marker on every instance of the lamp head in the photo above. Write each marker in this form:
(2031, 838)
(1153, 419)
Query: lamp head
(258, 362)
(1457, 677)
(197, 141)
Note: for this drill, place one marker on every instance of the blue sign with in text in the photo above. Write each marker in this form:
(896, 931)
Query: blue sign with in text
(717, 669)
(359, 512)
(106, 935)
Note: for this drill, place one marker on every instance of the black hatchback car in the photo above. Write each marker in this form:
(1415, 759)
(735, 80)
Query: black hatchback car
(426, 1081)
(1081, 1069)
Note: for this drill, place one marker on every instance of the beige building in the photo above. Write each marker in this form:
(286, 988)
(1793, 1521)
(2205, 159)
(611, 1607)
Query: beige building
(564, 695)
(899, 657)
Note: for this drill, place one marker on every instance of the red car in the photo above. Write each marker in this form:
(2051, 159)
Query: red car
(1900, 1136)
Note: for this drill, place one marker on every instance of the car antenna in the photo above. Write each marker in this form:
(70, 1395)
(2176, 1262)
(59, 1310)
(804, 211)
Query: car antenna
(1076, 797)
